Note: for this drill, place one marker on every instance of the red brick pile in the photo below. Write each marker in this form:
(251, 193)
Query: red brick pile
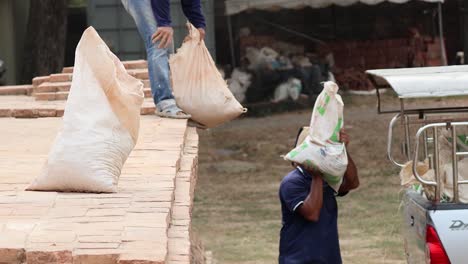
(353, 58)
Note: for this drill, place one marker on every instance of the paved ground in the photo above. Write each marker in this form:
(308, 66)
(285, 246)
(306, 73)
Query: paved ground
(126, 227)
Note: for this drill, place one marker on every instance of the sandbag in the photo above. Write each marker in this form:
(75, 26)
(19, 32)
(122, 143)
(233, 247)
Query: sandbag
(198, 86)
(445, 169)
(409, 180)
(290, 89)
(239, 83)
(321, 149)
(100, 123)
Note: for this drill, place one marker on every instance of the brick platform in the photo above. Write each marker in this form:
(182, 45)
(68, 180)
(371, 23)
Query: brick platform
(27, 107)
(147, 221)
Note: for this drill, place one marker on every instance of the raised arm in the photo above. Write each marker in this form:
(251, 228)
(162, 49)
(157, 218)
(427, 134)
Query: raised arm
(351, 178)
(302, 198)
(312, 205)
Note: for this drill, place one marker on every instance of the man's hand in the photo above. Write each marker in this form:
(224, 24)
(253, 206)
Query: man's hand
(344, 137)
(202, 34)
(164, 35)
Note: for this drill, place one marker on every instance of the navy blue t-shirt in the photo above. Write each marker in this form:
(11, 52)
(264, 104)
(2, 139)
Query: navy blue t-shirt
(303, 241)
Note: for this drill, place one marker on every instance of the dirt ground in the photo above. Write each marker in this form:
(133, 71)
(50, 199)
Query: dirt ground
(237, 210)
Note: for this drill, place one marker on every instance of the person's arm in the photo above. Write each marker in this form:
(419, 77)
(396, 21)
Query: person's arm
(351, 178)
(302, 199)
(312, 205)
(162, 14)
(193, 11)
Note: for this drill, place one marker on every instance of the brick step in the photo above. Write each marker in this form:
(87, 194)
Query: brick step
(62, 82)
(67, 77)
(51, 87)
(40, 80)
(61, 77)
(16, 90)
(134, 64)
(141, 74)
(27, 107)
(63, 95)
(67, 70)
(52, 96)
(179, 233)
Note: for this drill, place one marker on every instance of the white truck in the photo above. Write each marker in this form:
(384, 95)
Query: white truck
(435, 221)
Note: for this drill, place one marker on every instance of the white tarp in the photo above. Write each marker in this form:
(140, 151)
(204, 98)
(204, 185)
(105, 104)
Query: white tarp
(237, 6)
(424, 82)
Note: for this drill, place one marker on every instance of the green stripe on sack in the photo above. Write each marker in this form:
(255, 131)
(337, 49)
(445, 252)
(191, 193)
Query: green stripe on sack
(298, 150)
(331, 179)
(322, 108)
(336, 133)
(308, 164)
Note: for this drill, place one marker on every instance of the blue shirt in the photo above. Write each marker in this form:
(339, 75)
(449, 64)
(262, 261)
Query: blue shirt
(303, 241)
(191, 8)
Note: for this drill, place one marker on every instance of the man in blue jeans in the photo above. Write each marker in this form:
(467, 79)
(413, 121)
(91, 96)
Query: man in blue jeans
(153, 20)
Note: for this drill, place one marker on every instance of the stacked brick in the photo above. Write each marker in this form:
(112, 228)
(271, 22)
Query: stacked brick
(353, 58)
(57, 86)
(180, 230)
(147, 221)
(16, 90)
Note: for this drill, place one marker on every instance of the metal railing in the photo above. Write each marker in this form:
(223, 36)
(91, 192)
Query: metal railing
(455, 154)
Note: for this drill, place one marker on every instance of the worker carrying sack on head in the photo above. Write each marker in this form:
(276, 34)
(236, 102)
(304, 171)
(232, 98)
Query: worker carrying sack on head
(309, 212)
(322, 149)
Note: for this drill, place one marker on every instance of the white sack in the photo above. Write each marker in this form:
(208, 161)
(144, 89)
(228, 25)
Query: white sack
(100, 124)
(290, 89)
(198, 86)
(321, 149)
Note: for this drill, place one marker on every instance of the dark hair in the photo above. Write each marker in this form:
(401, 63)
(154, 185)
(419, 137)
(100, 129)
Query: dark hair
(298, 135)
(296, 141)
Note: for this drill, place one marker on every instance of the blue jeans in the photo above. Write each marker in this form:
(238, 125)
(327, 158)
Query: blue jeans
(158, 59)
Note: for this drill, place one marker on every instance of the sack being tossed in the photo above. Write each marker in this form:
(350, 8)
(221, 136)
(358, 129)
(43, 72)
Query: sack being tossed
(322, 149)
(198, 86)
